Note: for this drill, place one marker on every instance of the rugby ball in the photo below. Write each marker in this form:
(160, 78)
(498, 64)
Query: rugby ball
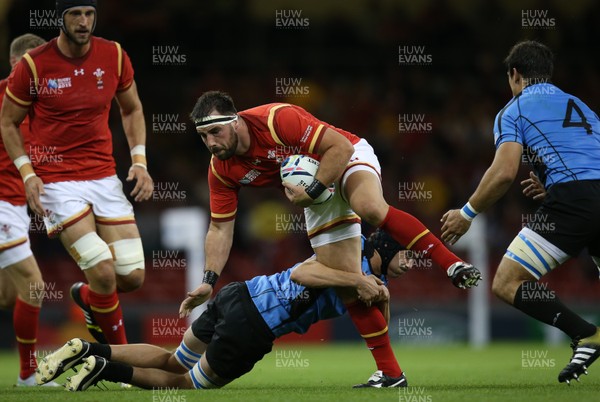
(301, 170)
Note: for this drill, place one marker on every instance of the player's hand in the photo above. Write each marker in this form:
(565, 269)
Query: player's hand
(384, 305)
(370, 290)
(144, 186)
(297, 195)
(454, 226)
(195, 298)
(533, 187)
(34, 186)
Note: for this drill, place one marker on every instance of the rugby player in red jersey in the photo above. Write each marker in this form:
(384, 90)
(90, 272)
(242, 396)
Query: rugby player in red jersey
(67, 87)
(248, 148)
(21, 283)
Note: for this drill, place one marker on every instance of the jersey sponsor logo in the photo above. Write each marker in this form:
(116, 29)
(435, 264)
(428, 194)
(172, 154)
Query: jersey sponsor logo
(77, 72)
(98, 74)
(5, 230)
(306, 134)
(250, 177)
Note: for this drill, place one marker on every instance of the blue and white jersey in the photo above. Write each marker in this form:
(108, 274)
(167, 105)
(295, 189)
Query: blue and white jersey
(289, 307)
(559, 133)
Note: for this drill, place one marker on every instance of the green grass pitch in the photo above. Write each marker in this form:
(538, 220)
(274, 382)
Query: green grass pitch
(501, 372)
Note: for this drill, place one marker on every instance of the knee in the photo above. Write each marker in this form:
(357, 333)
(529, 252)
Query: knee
(133, 281)
(102, 277)
(505, 288)
(372, 211)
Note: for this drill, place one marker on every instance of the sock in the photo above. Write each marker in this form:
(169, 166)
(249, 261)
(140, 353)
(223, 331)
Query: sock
(107, 313)
(25, 323)
(411, 233)
(371, 325)
(84, 292)
(535, 300)
(118, 372)
(100, 349)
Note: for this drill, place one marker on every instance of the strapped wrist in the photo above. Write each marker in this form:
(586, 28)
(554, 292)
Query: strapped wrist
(210, 277)
(315, 189)
(468, 212)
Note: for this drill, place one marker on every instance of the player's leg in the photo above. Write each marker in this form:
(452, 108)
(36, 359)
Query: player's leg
(369, 321)
(527, 259)
(363, 191)
(361, 187)
(94, 258)
(125, 243)
(116, 226)
(27, 281)
(8, 294)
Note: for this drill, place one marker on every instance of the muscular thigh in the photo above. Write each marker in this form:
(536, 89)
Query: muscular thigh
(344, 255)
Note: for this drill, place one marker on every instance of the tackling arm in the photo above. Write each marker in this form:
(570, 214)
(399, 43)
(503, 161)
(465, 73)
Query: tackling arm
(313, 274)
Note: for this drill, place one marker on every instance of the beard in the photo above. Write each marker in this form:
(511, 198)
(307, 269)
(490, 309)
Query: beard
(226, 153)
(72, 36)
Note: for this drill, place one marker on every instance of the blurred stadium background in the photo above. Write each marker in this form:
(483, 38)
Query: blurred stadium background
(422, 81)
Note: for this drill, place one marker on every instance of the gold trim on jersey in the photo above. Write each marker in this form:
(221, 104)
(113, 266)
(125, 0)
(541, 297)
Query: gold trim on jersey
(33, 68)
(19, 101)
(119, 59)
(214, 171)
(315, 138)
(271, 122)
(223, 216)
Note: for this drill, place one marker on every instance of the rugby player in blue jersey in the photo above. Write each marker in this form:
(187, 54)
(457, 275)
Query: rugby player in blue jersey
(239, 327)
(562, 135)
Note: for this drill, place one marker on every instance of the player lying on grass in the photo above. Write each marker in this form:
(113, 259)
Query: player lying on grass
(239, 327)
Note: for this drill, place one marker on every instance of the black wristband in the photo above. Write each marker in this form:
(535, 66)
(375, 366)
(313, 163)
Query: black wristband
(315, 189)
(210, 277)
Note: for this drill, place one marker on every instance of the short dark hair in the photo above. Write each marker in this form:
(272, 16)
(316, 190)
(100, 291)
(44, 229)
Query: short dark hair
(21, 44)
(213, 100)
(533, 60)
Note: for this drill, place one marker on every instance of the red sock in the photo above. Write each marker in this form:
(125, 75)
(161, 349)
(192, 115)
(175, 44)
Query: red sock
(372, 327)
(108, 315)
(25, 323)
(84, 292)
(411, 233)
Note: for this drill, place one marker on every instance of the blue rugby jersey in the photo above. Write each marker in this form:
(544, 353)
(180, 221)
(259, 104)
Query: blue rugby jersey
(289, 307)
(560, 134)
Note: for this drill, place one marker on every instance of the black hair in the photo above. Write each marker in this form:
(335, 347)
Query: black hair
(533, 60)
(213, 100)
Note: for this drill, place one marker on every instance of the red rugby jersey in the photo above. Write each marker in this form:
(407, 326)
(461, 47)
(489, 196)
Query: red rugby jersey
(69, 101)
(11, 184)
(277, 130)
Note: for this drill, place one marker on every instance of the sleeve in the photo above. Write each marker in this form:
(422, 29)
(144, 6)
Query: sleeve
(223, 197)
(506, 128)
(297, 128)
(125, 69)
(21, 88)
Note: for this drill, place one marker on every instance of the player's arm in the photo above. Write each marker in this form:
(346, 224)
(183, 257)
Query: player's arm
(11, 117)
(132, 116)
(217, 246)
(313, 274)
(335, 151)
(494, 184)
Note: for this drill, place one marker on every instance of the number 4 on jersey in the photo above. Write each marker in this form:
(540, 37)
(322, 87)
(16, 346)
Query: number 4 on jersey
(571, 105)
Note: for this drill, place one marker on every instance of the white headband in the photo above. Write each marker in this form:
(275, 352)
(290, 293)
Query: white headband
(214, 119)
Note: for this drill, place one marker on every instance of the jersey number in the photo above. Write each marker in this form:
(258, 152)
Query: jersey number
(571, 105)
